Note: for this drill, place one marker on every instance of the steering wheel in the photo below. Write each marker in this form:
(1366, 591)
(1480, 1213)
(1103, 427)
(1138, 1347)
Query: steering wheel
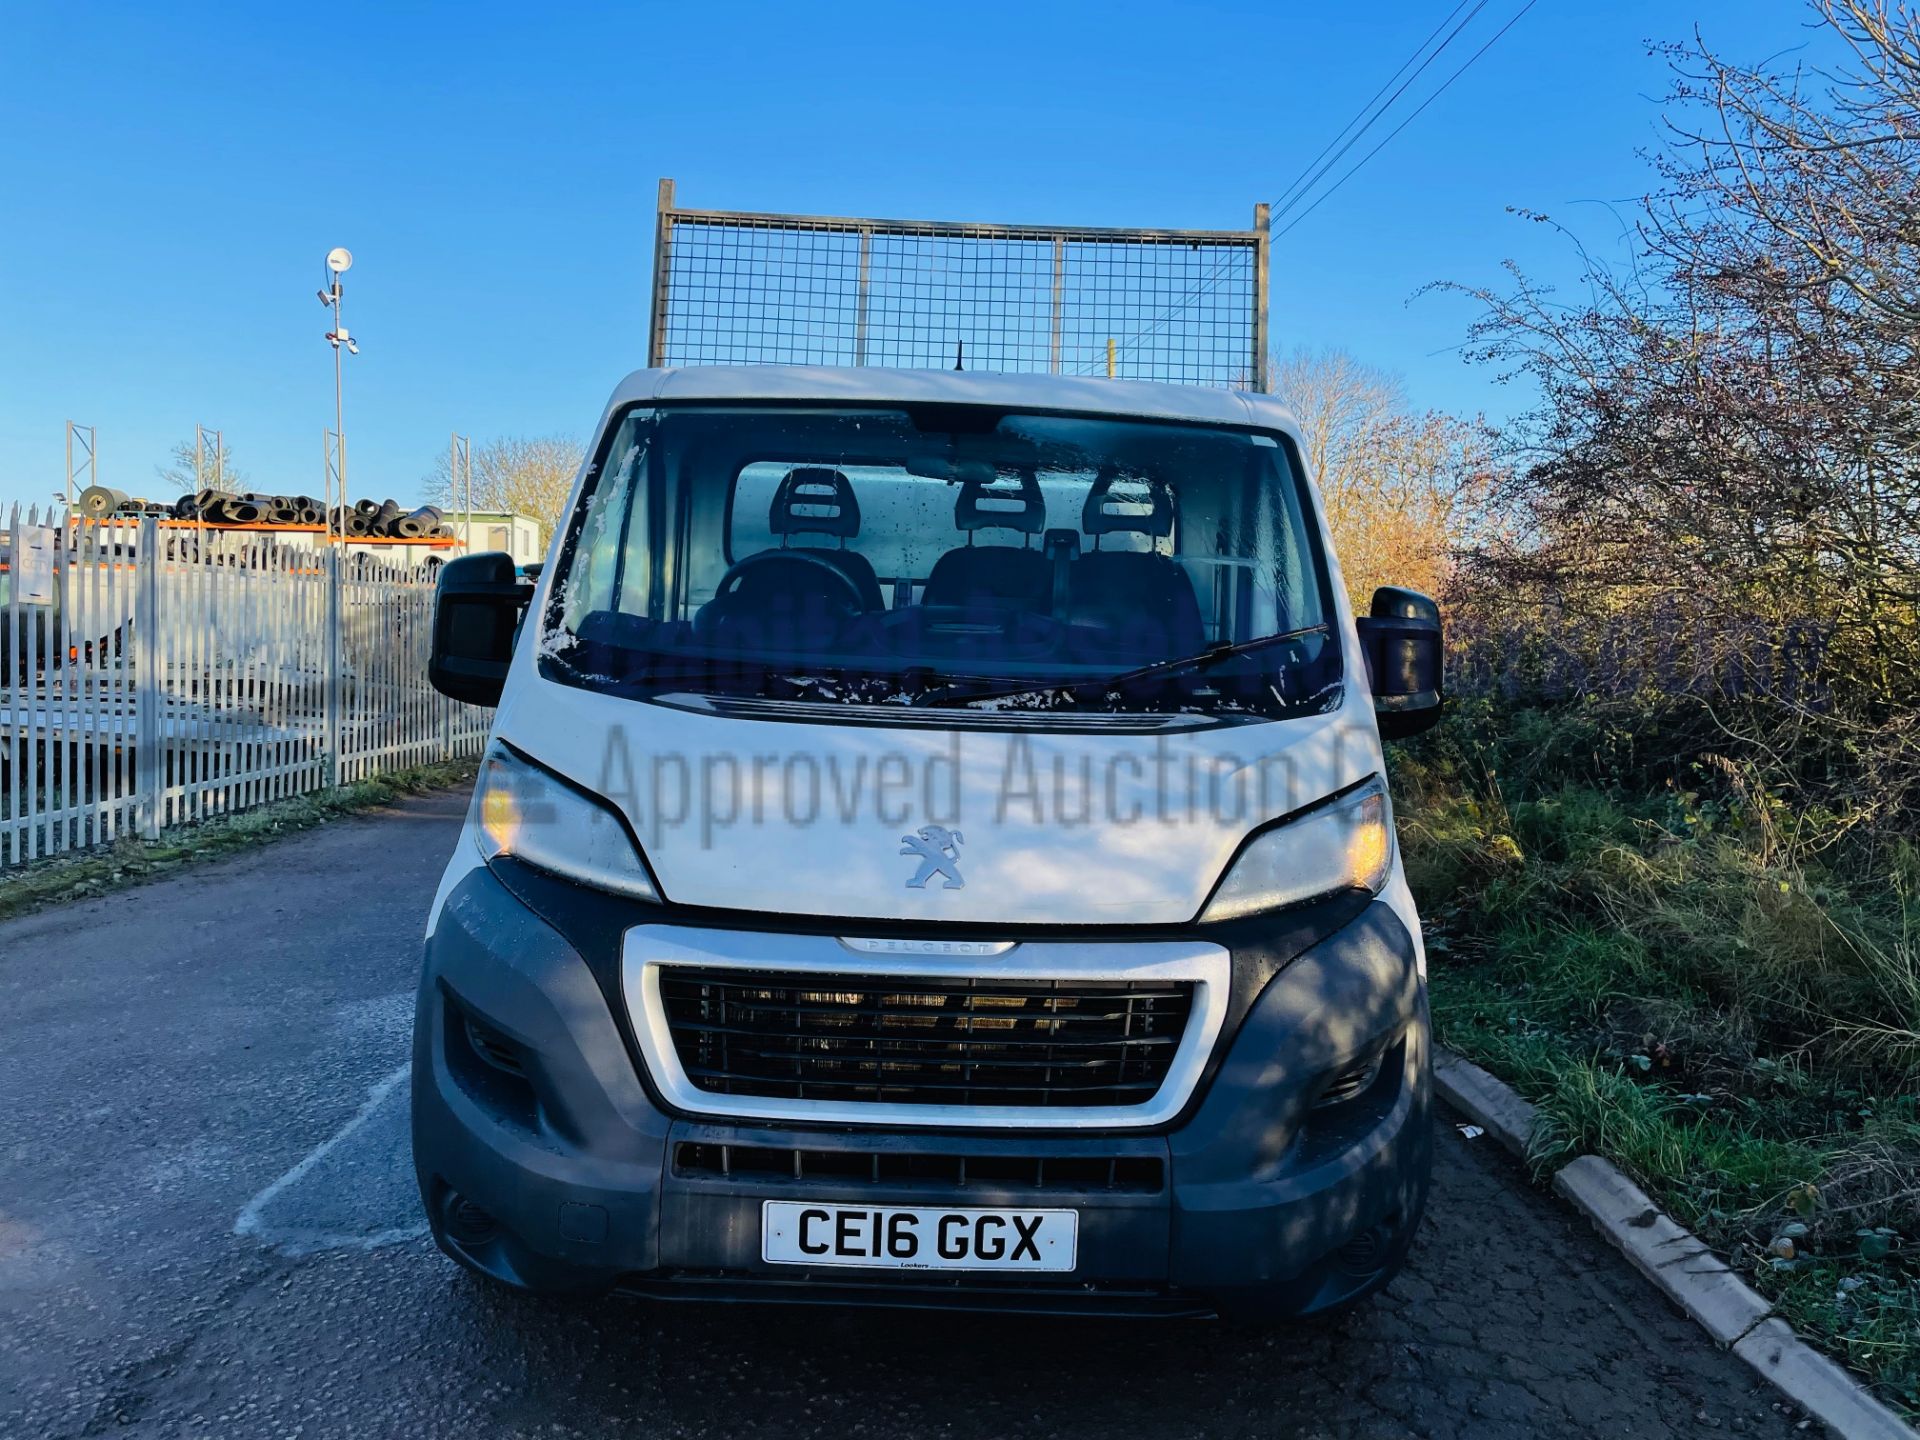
(843, 595)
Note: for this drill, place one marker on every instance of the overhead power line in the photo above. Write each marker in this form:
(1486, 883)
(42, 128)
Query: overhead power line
(1308, 178)
(1298, 191)
(1333, 188)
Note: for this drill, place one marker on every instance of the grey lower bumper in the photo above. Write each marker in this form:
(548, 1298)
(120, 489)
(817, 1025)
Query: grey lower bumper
(529, 1107)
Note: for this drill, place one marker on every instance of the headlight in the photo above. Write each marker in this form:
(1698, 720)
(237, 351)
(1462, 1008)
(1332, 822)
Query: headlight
(1345, 845)
(530, 815)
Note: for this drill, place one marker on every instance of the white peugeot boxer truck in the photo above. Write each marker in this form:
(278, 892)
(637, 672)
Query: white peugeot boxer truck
(933, 850)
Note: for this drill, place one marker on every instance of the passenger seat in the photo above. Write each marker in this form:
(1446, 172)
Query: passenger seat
(995, 577)
(1136, 603)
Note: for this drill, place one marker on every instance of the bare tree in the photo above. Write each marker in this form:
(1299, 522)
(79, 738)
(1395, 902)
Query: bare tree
(1401, 490)
(525, 475)
(1726, 441)
(1405, 498)
(1336, 398)
(215, 469)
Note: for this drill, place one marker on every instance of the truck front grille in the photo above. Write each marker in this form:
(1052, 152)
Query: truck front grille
(964, 1040)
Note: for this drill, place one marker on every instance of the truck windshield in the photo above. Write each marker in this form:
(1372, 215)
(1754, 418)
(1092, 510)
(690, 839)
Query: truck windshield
(941, 554)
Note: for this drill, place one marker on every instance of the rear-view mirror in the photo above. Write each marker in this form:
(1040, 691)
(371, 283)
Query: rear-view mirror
(476, 614)
(1403, 644)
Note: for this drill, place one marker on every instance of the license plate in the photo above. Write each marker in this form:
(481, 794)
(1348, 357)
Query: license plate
(897, 1238)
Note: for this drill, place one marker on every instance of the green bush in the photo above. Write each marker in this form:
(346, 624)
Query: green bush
(1714, 988)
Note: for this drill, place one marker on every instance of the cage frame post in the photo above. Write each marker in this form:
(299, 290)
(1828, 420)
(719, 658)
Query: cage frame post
(865, 297)
(662, 274)
(1263, 247)
(1059, 296)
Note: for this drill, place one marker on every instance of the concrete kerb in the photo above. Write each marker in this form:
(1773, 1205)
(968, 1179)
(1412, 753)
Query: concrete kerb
(1678, 1263)
(1491, 1104)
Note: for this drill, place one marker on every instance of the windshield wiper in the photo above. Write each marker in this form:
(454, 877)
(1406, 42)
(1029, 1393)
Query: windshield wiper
(631, 665)
(648, 669)
(1197, 663)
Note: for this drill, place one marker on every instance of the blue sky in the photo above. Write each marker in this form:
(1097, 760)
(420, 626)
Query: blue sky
(172, 175)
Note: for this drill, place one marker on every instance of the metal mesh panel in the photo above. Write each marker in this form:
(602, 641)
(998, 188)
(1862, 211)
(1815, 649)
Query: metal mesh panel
(734, 288)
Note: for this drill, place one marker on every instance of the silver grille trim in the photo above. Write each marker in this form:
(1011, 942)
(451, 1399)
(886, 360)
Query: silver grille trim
(971, 949)
(649, 949)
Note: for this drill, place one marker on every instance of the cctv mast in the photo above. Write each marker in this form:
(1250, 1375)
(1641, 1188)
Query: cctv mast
(339, 261)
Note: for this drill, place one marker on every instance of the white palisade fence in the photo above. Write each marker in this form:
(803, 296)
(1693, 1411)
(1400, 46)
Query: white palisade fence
(154, 673)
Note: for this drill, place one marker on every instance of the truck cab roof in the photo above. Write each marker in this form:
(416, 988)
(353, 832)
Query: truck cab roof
(880, 385)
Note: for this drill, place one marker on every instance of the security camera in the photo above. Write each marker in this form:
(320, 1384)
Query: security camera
(352, 349)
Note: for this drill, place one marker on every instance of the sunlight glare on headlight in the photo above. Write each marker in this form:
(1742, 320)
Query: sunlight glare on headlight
(1344, 845)
(541, 821)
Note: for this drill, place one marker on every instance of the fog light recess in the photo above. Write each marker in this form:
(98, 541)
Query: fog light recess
(1367, 1251)
(466, 1222)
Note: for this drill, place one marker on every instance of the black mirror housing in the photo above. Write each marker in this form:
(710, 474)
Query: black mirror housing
(476, 615)
(1405, 661)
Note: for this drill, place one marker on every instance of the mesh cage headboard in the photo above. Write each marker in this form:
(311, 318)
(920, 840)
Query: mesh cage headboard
(745, 288)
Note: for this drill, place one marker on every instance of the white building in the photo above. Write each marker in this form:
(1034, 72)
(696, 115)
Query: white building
(518, 535)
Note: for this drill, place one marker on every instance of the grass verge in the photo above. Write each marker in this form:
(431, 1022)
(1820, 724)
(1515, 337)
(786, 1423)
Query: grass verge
(1733, 1020)
(131, 861)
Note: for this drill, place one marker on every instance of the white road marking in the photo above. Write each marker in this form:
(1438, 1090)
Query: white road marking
(305, 1240)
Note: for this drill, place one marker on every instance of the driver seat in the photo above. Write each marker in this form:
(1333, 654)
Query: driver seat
(783, 598)
(814, 499)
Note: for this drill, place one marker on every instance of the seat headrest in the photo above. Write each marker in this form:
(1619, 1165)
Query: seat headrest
(1006, 502)
(1131, 504)
(817, 500)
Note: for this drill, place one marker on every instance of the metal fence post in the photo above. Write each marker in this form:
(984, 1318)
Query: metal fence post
(334, 689)
(149, 697)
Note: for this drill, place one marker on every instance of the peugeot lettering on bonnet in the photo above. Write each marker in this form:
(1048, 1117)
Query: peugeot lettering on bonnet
(933, 849)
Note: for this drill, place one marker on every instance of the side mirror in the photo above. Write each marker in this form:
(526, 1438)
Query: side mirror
(476, 613)
(1402, 641)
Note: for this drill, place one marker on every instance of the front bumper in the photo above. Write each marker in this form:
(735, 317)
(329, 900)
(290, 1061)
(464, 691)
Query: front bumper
(546, 1160)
